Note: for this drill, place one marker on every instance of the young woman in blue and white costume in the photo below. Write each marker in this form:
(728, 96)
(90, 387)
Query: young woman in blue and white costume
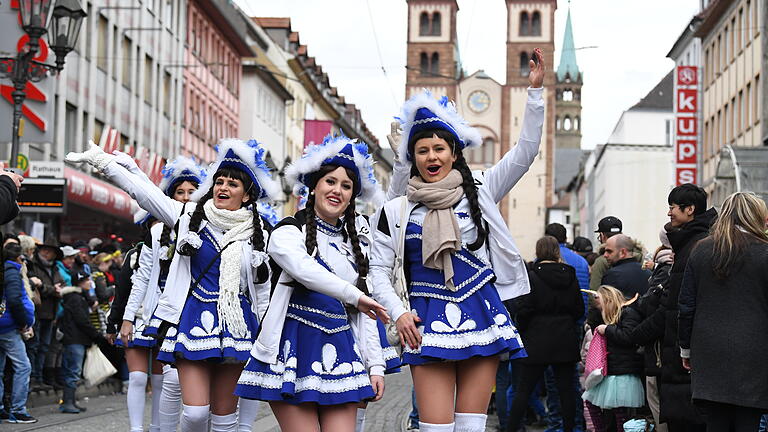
(460, 260)
(219, 275)
(309, 360)
(181, 178)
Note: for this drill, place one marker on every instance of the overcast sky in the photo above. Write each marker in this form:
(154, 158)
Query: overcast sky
(631, 40)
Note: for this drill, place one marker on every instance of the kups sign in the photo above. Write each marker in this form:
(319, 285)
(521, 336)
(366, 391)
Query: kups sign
(686, 121)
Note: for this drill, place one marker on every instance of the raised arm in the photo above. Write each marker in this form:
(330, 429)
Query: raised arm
(500, 178)
(401, 172)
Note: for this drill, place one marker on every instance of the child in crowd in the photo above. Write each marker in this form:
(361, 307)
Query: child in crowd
(622, 388)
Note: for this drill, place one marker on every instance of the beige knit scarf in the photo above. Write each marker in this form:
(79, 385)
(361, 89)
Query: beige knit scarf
(440, 232)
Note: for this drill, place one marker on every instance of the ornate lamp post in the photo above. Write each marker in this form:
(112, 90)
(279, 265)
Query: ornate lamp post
(64, 20)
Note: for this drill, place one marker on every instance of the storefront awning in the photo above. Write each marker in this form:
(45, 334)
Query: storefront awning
(101, 196)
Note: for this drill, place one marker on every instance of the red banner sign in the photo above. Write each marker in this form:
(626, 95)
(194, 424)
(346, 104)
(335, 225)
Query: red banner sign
(687, 127)
(316, 130)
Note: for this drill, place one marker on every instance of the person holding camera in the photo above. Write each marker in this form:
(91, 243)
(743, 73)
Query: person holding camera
(15, 326)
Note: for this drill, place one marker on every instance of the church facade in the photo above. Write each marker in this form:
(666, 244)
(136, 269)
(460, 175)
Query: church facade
(496, 109)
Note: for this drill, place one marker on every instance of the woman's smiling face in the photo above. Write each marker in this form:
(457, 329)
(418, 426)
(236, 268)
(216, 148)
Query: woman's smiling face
(434, 158)
(229, 193)
(333, 193)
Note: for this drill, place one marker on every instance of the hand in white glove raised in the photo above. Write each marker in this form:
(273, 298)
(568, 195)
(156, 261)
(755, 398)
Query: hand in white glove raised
(394, 139)
(94, 156)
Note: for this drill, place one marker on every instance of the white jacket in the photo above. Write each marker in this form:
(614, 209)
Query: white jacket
(287, 248)
(145, 290)
(493, 185)
(169, 211)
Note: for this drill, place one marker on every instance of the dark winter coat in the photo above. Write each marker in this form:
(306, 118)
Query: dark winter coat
(123, 287)
(49, 276)
(8, 194)
(624, 355)
(19, 312)
(628, 277)
(75, 323)
(724, 323)
(547, 317)
(646, 334)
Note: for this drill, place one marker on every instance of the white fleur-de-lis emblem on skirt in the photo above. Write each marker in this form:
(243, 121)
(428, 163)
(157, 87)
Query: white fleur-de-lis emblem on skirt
(500, 318)
(356, 365)
(328, 365)
(289, 361)
(453, 315)
(206, 327)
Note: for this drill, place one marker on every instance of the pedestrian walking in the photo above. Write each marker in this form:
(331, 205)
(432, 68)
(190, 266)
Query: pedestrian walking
(220, 276)
(315, 360)
(621, 388)
(724, 316)
(548, 320)
(459, 325)
(15, 326)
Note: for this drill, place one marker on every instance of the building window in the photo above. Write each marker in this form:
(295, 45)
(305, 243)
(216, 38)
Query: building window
(70, 117)
(668, 132)
(756, 99)
(524, 69)
(557, 123)
(747, 113)
(727, 47)
(576, 123)
(101, 44)
(536, 24)
(125, 75)
(424, 64)
(740, 116)
(436, 24)
(567, 123)
(524, 24)
(166, 94)
(98, 129)
(567, 95)
(742, 30)
(434, 65)
(148, 79)
(707, 66)
(424, 24)
(733, 38)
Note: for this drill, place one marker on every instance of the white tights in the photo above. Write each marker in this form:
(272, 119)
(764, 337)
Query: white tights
(170, 400)
(136, 397)
(247, 409)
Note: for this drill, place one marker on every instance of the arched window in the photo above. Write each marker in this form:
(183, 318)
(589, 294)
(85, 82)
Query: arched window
(489, 151)
(524, 64)
(536, 24)
(567, 123)
(424, 64)
(567, 95)
(524, 24)
(557, 123)
(576, 123)
(436, 24)
(434, 66)
(424, 24)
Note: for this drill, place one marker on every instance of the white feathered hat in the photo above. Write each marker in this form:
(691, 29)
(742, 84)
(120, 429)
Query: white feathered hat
(423, 112)
(342, 151)
(246, 156)
(182, 168)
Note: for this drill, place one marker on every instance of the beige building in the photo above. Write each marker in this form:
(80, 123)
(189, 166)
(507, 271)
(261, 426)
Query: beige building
(730, 33)
(495, 109)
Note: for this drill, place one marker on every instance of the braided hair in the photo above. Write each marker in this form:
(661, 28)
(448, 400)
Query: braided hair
(467, 184)
(199, 213)
(361, 261)
(165, 235)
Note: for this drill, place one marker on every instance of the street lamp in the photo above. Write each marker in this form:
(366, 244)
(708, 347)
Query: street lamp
(36, 15)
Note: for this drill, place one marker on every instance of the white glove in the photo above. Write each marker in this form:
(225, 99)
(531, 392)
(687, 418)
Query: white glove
(394, 139)
(94, 156)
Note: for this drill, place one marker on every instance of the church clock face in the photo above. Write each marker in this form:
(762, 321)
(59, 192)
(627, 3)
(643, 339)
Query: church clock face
(479, 101)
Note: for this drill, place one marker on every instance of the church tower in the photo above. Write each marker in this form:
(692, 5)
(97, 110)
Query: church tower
(433, 50)
(530, 24)
(568, 94)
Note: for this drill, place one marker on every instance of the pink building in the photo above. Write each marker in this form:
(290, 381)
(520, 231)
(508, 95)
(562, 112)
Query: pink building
(216, 41)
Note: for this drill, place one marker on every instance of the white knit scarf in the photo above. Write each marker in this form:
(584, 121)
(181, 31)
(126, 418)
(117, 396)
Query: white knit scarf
(238, 225)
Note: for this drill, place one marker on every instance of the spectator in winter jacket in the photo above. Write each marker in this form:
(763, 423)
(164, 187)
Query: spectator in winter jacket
(79, 334)
(571, 258)
(724, 316)
(9, 209)
(17, 320)
(625, 274)
(47, 281)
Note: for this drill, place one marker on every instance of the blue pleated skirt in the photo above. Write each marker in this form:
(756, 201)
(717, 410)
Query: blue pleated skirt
(140, 338)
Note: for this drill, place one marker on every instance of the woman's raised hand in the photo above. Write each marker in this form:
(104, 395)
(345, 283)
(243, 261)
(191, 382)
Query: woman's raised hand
(536, 76)
(94, 156)
(372, 308)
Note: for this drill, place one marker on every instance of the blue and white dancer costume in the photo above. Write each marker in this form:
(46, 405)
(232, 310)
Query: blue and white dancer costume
(468, 319)
(311, 347)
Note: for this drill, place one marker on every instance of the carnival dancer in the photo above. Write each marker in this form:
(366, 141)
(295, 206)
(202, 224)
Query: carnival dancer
(219, 281)
(309, 360)
(181, 178)
(459, 257)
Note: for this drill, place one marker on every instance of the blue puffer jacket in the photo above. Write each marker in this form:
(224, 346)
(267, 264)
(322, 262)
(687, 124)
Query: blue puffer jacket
(20, 311)
(582, 273)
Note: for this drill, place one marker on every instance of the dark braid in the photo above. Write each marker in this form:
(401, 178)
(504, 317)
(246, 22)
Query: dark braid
(194, 222)
(165, 240)
(470, 191)
(258, 234)
(360, 260)
(310, 239)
